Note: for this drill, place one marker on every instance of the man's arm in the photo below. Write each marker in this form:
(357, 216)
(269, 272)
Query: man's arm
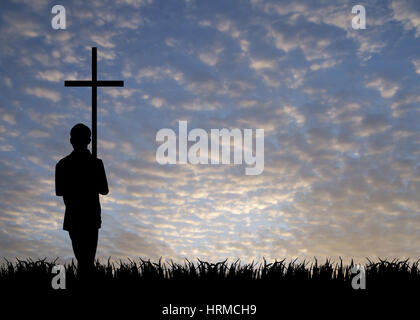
(59, 191)
(102, 182)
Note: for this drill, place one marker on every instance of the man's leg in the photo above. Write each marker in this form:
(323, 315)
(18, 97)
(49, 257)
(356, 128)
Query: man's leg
(91, 246)
(77, 242)
(84, 244)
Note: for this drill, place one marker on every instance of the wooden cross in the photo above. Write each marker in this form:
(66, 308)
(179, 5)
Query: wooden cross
(94, 83)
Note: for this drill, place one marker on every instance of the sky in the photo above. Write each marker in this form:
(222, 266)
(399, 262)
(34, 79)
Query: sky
(339, 108)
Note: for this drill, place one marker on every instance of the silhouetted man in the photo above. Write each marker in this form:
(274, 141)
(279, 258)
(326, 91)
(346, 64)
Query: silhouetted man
(80, 178)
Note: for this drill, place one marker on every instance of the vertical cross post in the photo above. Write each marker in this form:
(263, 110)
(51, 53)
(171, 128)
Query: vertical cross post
(94, 103)
(94, 83)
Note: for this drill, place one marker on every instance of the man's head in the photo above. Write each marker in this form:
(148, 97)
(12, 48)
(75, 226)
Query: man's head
(80, 136)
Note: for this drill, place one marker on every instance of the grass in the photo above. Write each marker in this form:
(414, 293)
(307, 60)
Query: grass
(304, 274)
(144, 287)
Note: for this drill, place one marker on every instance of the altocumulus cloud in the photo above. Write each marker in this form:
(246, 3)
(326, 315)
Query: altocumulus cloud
(339, 108)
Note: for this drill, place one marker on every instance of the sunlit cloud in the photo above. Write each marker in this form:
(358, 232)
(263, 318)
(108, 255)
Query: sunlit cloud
(339, 107)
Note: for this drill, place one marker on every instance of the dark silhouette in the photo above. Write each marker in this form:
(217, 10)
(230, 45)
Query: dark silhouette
(79, 179)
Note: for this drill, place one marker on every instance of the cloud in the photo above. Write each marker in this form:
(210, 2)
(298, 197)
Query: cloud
(107, 145)
(9, 118)
(262, 64)
(16, 24)
(323, 65)
(103, 40)
(408, 13)
(107, 55)
(387, 88)
(416, 64)
(6, 148)
(404, 103)
(197, 105)
(51, 75)
(209, 58)
(135, 3)
(124, 93)
(171, 42)
(339, 108)
(282, 40)
(44, 93)
(157, 102)
(158, 73)
(132, 23)
(248, 103)
(373, 123)
(38, 134)
(7, 82)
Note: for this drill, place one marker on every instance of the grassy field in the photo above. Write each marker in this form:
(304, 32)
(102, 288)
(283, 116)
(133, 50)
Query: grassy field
(379, 274)
(145, 288)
